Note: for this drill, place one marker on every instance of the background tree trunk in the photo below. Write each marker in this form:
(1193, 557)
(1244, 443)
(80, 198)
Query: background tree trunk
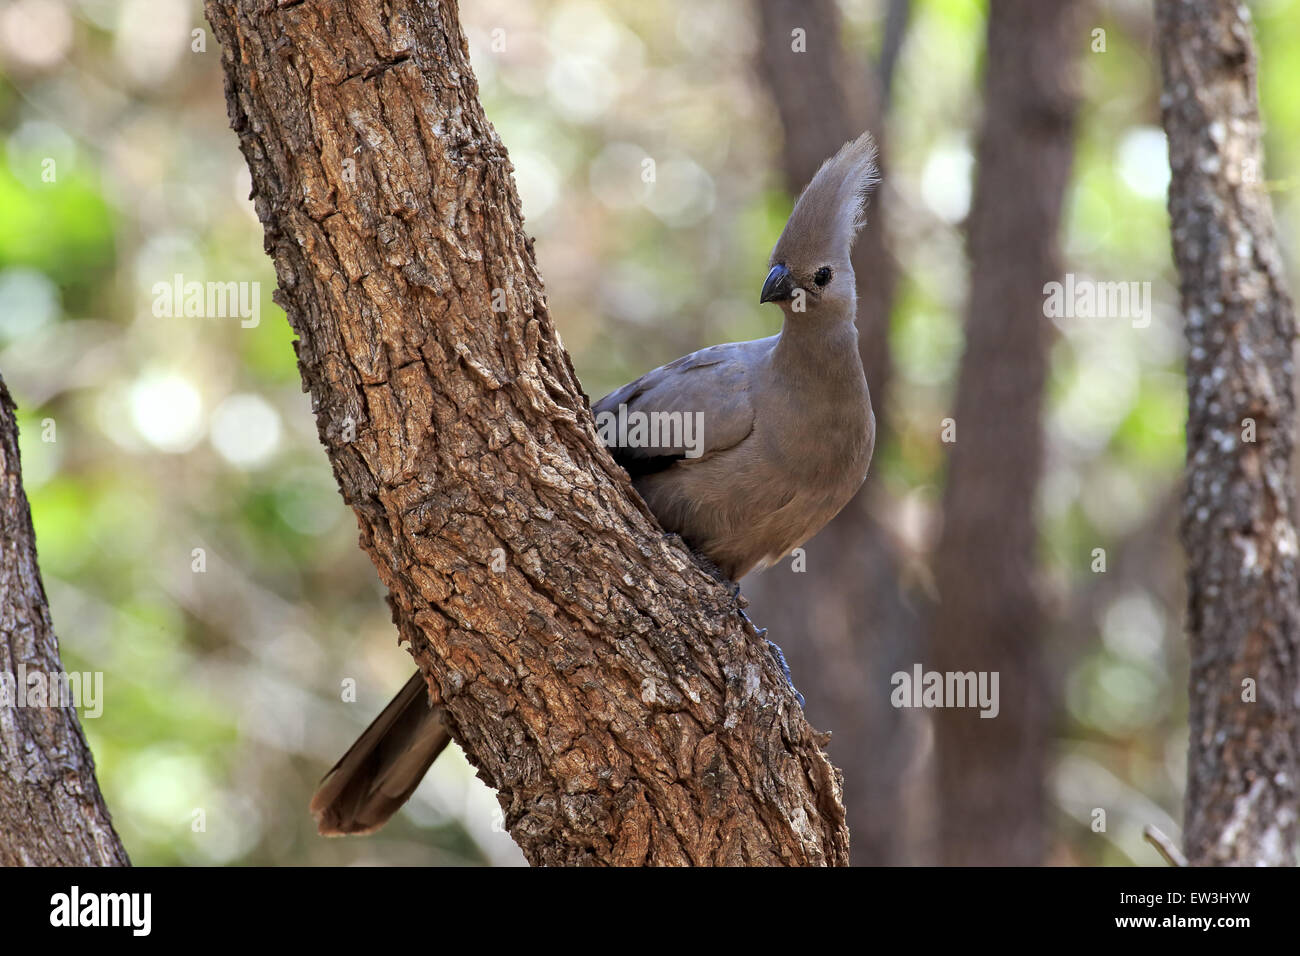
(51, 810)
(843, 623)
(991, 772)
(601, 682)
(1238, 525)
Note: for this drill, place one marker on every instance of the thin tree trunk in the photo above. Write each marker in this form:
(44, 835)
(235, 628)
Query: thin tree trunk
(51, 810)
(1238, 527)
(598, 678)
(990, 773)
(842, 622)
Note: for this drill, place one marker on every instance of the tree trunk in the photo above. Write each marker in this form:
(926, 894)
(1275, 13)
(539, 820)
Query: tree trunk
(843, 623)
(599, 679)
(51, 810)
(1238, 525)
(990, 772)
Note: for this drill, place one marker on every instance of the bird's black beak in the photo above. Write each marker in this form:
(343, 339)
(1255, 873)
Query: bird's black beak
(778, 286)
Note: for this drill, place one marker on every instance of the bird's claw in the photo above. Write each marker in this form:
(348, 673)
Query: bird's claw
(761, 633)
(785, 669)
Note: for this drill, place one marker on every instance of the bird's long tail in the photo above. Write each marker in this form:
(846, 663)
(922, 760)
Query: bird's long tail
(385, 765)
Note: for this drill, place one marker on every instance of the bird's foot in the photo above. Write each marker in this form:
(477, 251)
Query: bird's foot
(777, 654)
(751, 626)
(785, 669)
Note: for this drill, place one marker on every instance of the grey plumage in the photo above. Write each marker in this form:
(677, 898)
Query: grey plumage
(788, 434)
(788, 429)
(382, 769)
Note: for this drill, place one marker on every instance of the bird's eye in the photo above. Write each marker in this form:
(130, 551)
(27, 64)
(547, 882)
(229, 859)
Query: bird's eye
(822, 276)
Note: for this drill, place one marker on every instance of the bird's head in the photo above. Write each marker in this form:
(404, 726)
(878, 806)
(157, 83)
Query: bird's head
(810, 266)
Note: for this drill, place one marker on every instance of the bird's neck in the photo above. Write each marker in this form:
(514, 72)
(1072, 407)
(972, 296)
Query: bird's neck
(822, 346)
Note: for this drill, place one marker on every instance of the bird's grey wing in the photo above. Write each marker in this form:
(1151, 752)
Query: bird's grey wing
(700, 404)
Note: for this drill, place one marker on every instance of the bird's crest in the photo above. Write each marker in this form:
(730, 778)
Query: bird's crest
(833, 206)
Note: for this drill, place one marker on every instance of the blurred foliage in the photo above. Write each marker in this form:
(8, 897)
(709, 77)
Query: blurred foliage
(172, 434)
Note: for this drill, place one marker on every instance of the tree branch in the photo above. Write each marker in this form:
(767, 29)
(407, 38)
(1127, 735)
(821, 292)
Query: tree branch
(1164, 846)
(990, 615)
(601, 682)
(1238, 523)
(51, 810)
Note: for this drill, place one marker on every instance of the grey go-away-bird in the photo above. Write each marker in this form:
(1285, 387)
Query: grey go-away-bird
(786, 434)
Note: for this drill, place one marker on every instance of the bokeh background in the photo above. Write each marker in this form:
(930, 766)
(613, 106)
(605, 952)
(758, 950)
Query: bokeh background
(173, 434)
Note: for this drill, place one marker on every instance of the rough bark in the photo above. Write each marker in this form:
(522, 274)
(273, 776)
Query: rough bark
(843, 623)
(601, 682)
(51, 810)
(1238, 521)
(990, 772)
